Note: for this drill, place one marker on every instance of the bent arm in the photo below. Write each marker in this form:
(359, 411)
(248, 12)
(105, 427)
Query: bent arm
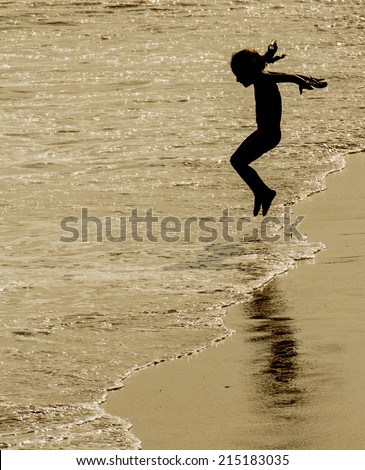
(302, 81)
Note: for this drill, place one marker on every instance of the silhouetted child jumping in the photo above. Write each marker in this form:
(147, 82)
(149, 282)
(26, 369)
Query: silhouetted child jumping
(249, 68)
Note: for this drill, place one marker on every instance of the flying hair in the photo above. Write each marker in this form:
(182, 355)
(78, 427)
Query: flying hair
(269, 57)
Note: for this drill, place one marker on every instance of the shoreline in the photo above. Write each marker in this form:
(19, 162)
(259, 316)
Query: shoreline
(291, 376)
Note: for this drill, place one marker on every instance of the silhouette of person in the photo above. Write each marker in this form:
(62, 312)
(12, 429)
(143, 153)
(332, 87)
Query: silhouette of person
(249, 68)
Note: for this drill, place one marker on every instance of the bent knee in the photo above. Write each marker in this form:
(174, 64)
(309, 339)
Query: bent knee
(237, 160)
(273, 139)
(233, 159)
(277, 138)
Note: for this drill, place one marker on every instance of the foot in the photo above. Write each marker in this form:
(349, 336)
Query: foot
(257, 206)
(266, 200)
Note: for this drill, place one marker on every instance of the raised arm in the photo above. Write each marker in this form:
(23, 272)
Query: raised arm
(302, 81)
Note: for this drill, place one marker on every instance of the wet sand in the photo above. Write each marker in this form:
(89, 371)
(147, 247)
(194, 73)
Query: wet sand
(293, 375)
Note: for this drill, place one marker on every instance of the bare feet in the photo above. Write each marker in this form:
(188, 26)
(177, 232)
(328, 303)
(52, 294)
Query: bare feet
(257, 206)
(263, 200)
(266, 200)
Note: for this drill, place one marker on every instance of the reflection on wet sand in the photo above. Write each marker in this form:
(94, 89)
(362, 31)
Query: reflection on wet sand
(276, 364)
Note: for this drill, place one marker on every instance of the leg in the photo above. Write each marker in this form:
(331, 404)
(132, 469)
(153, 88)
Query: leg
(252, 148)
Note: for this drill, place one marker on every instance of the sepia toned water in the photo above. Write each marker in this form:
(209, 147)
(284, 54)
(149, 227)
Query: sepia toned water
(110, 110)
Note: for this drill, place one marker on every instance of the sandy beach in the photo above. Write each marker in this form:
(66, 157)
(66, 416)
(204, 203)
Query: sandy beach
(292, 374)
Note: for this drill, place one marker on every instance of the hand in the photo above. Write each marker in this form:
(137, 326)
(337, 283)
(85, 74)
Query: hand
(308, 83)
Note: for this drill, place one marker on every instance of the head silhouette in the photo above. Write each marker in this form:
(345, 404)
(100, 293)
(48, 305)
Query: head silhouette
(246, 64)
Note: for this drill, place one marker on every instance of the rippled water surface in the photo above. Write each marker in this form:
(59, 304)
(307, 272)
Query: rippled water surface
(112, 110)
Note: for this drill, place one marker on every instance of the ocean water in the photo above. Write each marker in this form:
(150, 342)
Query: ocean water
(117, 110)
